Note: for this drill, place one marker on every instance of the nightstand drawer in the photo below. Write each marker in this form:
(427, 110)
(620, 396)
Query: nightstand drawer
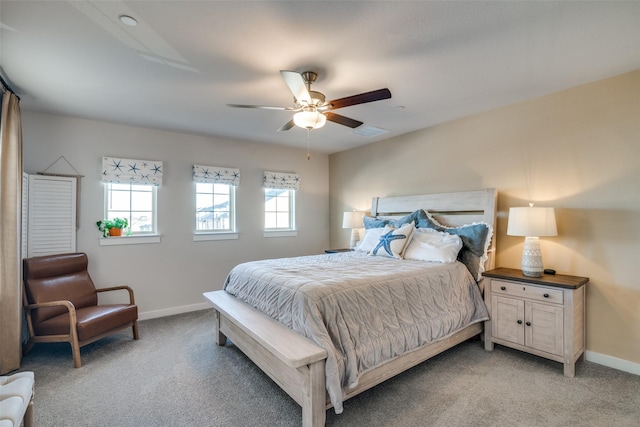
(524, 290)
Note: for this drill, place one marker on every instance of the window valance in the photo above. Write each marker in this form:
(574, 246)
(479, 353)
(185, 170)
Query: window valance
(281, 181)
(131, 171)
(216, 175)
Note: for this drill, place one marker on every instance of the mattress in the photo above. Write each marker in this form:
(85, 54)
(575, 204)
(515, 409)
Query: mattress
(364, 310)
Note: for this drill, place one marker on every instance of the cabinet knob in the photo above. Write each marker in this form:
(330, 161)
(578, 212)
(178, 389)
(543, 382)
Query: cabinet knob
(546, 295)
(528, 323)
(519, 322)
(503, 288)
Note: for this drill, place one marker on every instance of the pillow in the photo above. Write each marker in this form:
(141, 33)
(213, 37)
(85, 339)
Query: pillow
(393, 241)
(416, 217)
(428, 244)
(370, 240)
(475, 238)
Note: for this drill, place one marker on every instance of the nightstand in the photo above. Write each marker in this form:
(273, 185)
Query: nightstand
(544, 315)
(335, 251)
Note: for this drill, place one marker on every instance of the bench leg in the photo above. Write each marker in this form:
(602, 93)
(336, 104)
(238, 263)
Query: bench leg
(221, 339)
(314, 412)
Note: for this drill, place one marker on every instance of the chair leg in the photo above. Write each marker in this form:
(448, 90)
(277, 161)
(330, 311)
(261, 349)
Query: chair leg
(135, 330)
(75, 349)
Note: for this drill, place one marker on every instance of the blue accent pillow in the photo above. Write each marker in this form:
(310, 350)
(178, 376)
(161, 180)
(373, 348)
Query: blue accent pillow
(416, 217)
(475, 242)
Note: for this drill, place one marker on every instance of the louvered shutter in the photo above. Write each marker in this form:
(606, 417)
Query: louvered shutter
(52, 215)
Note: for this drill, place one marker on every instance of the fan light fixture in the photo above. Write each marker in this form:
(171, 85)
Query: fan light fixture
(309, 119)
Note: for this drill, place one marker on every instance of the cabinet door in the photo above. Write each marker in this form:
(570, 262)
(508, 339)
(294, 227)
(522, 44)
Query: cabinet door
(507, 316)
(544, 327)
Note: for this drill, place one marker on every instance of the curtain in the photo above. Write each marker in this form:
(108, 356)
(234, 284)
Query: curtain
(216, 175)
(280, 181)
(10, 234)
(131, 171)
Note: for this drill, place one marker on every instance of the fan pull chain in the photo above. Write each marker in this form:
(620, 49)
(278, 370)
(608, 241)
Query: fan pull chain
(308, 135)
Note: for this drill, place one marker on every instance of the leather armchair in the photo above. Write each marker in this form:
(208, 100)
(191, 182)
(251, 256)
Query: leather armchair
(61, 304)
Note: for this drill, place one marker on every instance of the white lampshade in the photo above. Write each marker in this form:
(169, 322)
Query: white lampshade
(532, 223)
(309, 119)
(353, 220)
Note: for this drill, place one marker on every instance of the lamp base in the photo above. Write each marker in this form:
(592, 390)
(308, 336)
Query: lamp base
(355, 238)
(532, 257)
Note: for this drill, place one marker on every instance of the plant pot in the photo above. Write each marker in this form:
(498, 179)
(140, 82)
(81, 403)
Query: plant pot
(115, 232)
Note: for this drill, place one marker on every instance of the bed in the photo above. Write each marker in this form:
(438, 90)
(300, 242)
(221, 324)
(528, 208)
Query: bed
(301, 320)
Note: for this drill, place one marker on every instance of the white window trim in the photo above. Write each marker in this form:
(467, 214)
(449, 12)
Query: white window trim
(285, 232)
(204, 236)
(154, 195)
(280, 233)
(130, 240)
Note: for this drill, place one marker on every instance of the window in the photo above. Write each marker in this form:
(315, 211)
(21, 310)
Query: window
(279, 203)
(279, 209)
(136, 203)
(215, 213)
(215, 207)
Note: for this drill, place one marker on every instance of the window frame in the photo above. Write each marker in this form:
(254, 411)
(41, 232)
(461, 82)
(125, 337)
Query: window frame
(291, 230)
(154, 210)
(212, 234)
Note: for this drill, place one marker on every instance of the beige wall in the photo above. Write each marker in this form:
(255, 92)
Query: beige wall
(169, 277)
(576, 150)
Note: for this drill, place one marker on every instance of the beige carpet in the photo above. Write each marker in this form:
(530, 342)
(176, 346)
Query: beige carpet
(175, 375)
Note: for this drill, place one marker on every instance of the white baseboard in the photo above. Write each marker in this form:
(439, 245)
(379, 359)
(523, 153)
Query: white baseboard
(173, 310)
(613, 362)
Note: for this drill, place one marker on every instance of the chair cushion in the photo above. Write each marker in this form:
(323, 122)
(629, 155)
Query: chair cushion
(55, 278)
(92, 321)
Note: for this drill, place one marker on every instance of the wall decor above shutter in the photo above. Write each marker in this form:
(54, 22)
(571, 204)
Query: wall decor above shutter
(281, 181)
(216, 175)
(131, 171)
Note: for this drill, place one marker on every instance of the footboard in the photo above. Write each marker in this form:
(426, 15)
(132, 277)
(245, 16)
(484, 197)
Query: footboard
(293, 361)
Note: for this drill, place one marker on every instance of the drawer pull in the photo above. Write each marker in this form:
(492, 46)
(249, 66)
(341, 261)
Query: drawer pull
(503, 288)
(528, 323)
(519, 322)
(546, 295)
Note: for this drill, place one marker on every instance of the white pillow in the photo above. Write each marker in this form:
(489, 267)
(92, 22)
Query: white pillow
(431, 245)
(393, 241)
(370, 240)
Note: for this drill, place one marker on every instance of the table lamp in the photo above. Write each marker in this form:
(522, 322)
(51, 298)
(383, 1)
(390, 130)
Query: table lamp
(353, 220)
(532, 222)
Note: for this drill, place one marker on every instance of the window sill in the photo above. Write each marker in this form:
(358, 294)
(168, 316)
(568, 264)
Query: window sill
(129, 240)
(280, 233)
(204, 237)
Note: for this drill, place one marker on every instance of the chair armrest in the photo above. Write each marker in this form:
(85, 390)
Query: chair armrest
(118, 288)
(67, 304)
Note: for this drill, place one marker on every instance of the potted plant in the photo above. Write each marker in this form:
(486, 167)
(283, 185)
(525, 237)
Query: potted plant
(112, 227)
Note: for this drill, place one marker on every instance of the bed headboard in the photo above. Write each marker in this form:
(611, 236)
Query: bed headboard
(452, 209)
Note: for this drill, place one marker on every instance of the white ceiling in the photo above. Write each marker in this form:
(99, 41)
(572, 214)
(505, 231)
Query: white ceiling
(185, 60)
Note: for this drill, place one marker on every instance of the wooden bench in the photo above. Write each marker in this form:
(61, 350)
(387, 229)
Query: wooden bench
(293, 361)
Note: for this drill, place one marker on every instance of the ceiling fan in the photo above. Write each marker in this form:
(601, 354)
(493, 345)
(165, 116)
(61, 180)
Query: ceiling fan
(312, 111)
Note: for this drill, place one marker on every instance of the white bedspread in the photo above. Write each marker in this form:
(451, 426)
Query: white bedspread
(364, 310)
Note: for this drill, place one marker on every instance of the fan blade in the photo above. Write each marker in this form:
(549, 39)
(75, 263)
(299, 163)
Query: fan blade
(375, 95)
(296, 85)
(264, 107)
(342, 120)
(287, 126)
